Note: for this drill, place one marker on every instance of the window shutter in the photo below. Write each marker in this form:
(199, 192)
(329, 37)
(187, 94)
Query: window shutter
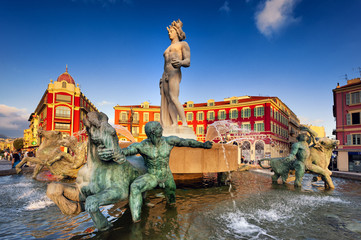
(248, 112)
(262, 111)
(349, 139)
(348, 119)
(347, 99)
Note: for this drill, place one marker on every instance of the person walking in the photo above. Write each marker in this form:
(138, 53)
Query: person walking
(16, 159)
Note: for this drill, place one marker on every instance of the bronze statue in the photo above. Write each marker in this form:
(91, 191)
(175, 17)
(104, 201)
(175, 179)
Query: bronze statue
(303, 156)
(107, 177)
(61, 164)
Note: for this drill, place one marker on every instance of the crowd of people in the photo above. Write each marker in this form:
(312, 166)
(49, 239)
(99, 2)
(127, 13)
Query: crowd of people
(16, 156)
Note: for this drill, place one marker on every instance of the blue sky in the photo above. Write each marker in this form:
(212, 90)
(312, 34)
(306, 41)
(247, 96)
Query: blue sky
(297, 50)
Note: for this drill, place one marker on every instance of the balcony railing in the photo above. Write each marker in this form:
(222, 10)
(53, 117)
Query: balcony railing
(123, 121)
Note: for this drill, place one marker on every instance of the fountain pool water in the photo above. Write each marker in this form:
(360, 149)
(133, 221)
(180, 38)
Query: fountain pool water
(263, 211)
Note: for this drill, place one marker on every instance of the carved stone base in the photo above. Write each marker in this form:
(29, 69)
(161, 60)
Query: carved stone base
(180, 131)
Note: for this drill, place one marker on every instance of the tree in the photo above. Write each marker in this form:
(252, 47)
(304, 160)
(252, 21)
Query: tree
(18, 143)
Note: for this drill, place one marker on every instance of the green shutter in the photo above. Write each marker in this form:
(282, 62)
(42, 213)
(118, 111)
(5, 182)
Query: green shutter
(349, 139)
(348, 119)
(262, 111)
(347, 99)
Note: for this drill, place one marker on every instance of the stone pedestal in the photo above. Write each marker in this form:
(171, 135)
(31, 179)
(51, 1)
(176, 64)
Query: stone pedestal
(186, 160)
(179, 131)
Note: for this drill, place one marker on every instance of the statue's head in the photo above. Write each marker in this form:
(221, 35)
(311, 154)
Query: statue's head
(177, 27)
(154, 131)
(303, 136)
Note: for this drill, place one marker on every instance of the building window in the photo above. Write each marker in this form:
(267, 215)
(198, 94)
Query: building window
(246, 127)
(63, 98)
(62, 126)
(200, 129)
(189, 116)
(157, 117)
(355, 97)
(259, 127)
(222, 115)
(63, 84)
(124, 116)
(62, 112)
(271, 112)
(200, 116)
(135, 130)
(190, 104)
(234, 101)
(210, 103)
(210, 116)
(136, 117)
(259, 111)
(355, 118)
(246, 112)
(356, 139)
(233, 114)
(146, 117)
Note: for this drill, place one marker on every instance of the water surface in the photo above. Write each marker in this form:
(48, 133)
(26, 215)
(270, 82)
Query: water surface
(257, 210)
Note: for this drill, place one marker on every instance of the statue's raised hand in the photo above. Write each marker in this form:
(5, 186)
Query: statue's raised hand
(208, 145)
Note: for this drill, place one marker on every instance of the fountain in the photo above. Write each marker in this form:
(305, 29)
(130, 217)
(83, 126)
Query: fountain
(263, 211)
(255, 209)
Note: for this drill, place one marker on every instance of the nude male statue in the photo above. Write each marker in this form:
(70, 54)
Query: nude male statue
(177, 55)
(156, 151)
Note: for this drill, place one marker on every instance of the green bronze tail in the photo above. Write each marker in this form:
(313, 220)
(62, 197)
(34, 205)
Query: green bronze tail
(261, 161)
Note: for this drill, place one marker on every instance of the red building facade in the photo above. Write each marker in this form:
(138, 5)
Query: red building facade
(271, 125)
(62, 108)
(267, 120)
(347, 111)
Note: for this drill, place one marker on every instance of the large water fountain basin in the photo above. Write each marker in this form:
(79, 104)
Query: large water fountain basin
(257, 210)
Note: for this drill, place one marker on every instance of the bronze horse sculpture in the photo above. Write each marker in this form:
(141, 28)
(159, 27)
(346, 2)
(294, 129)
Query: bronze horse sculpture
(101, 181)
(317, 162)
(61, 164)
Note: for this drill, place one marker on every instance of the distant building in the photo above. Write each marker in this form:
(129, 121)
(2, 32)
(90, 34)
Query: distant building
(134, 118)
(62, 108)
(268, 119)
(272, 127)
(318, 129)
(7, 144)
(347, 110)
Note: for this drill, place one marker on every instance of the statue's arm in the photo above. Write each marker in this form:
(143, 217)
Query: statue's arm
(182, 142)
(131, 150)
(293, 152)
(186, 51)
(120, 156)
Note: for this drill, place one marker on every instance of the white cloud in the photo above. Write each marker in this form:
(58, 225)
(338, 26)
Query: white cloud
(314, 122)
(275, 15)
(13, 121)
(225, 7)
(104, 102)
